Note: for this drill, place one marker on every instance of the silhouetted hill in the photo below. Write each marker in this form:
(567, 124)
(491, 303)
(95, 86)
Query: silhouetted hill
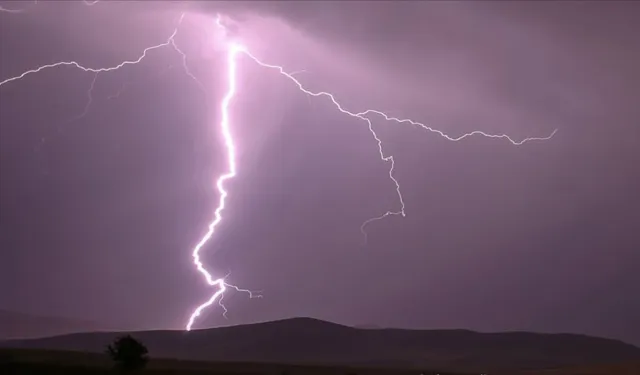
(20, 325)
(367, 326)
(304, 340)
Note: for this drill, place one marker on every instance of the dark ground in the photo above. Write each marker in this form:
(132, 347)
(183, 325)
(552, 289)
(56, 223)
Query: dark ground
(27, 362)
(320, 347)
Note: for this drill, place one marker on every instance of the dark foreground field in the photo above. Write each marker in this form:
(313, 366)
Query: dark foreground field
(309, 346)
(311, 341)
(29, 361)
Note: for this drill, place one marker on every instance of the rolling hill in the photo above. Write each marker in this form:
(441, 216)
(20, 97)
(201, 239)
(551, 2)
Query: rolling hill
(310, 341)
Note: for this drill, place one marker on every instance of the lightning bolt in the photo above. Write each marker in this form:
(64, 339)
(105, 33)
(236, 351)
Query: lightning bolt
(386, 158)
(234, 50)
(8, 10)
(225, 126)
(89, 99)
(35, 2)
(15, 11)
(89, 69)
(220, 283)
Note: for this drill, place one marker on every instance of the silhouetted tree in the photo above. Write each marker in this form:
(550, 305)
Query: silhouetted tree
(128, 353)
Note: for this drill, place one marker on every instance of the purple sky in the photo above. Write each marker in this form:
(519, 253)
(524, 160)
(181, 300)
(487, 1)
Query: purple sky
(98, 216)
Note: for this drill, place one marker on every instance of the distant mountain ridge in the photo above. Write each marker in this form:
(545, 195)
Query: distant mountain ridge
(14, 325)
(311, 341)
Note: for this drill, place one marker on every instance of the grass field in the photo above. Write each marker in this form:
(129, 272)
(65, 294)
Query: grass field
(614, 369)
(28, 362)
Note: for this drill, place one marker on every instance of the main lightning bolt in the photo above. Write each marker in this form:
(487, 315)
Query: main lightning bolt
(225, 126)
(234, 50)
